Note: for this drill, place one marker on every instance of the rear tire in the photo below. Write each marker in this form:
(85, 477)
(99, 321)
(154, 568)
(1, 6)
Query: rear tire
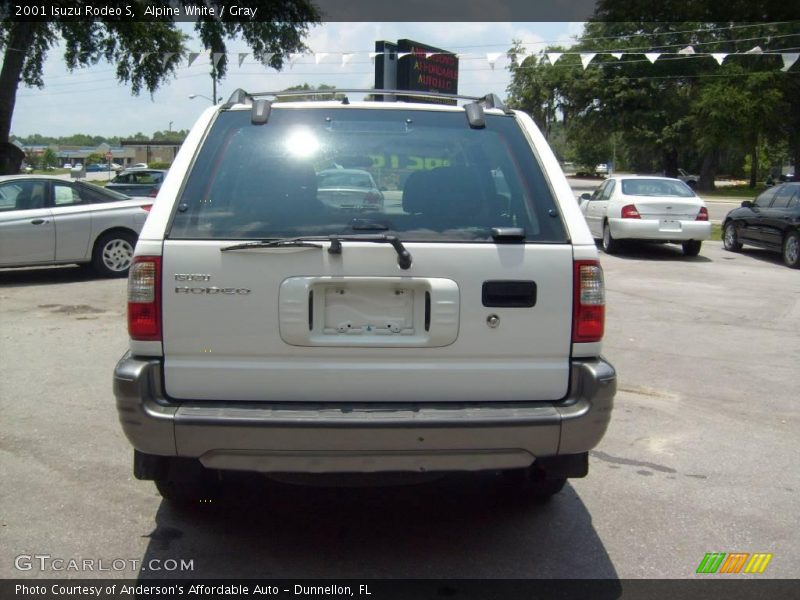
(730, 238)
(791, 250)
(691, 247)
(113, 253)
(533, 485)
(610, 245)
(186, 494)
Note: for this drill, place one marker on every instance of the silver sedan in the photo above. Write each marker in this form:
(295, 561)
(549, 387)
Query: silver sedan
(47, 221)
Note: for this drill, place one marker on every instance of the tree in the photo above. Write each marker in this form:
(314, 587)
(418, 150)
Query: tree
(145, 53)
(49, 158)
(678, 111)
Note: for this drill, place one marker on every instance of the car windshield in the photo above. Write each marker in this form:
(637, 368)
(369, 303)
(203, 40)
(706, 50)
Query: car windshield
(656, 187)
(437, 177)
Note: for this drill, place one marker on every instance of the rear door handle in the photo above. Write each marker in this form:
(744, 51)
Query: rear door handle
(38, 222)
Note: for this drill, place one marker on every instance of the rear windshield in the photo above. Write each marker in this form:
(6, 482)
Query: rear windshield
(656, 187)
(423, 175)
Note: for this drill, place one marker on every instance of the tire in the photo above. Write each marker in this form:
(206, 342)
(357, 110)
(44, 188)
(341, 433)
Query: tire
(113, 253)
(532, 484)
(791, 250)
(188, 494)
(610, 245)
(730, 238)
(691, 247)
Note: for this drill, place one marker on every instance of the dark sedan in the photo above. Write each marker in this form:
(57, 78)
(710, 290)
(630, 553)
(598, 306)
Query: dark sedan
(772, 221)
(138, 182)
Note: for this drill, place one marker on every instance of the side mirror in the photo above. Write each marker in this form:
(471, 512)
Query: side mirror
(747, 204)
(586, 196)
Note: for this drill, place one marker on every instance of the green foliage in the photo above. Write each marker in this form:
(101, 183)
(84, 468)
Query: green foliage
(159, 165)
(94, 159)
(49, 158)
(681, 111)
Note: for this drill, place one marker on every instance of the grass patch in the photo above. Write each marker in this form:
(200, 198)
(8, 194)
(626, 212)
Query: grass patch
(744, 192)
(716, 232)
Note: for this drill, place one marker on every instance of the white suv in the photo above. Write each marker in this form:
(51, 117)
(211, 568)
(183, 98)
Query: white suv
(456, 326)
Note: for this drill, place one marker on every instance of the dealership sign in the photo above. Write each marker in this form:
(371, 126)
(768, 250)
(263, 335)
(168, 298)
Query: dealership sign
(409, 65)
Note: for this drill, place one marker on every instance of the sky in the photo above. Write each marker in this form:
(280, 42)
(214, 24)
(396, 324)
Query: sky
(92, 101)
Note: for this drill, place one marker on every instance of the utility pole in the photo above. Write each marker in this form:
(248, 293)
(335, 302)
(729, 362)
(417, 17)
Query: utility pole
(213, 79)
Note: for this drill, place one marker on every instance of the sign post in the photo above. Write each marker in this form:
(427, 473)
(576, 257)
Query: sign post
(409, 65)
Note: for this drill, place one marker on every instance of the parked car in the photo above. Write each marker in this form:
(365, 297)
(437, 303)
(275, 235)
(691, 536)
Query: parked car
(138, 166)
(271, 332)
(45, 220)
(633, 207)
(67, 165)
(97, 168)
(601, 169)
(772, 221)
(138, 182)
(688, 178)
(349, 189)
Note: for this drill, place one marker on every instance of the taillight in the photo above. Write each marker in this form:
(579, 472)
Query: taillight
(146, 207)
(372, 198)
(144, 299)
(629, 212)
(702, 215)
(589, 304)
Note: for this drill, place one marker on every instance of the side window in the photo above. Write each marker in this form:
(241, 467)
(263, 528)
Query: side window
(598, 193)
(66, 195)
(125, 178)
(764, 199)
(795, 199)
(22, 195)
(92, 196)
(783, 196)
(609, 189)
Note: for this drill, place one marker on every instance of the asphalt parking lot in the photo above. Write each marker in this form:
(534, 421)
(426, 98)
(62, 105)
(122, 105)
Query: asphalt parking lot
(700, 455)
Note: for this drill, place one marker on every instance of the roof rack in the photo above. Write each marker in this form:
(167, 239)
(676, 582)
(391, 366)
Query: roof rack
(241, 97)
(261, 106)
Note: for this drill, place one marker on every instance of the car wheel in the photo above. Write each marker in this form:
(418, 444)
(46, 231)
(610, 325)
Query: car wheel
(730, 238)
(113, 253)
(791, 250)
(533, 484)
(691, 247)
(186, 494)
(610, 245)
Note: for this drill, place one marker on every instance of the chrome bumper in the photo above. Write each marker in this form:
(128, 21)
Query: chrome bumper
(323, 438)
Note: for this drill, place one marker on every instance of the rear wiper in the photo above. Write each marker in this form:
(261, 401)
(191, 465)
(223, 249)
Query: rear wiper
(281, 243)
(403, 255)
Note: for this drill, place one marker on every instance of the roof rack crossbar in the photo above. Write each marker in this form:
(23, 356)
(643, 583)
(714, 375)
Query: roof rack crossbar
(489, 100)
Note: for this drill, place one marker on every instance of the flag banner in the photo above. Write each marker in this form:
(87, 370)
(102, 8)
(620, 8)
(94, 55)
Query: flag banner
(788, 60)
(586, 58)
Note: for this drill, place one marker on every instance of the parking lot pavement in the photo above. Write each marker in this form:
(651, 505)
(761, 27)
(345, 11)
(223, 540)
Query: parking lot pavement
(700, 455)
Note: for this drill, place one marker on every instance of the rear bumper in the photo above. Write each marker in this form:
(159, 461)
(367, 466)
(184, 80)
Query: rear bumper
(651, 229)
(318, 438)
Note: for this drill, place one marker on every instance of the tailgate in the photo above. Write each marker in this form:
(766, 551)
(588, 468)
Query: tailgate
(301, 324)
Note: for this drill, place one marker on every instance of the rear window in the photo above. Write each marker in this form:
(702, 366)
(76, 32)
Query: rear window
(423, 175)
(656, 187)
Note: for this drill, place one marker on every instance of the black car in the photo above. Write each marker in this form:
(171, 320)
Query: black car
(772, 221)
